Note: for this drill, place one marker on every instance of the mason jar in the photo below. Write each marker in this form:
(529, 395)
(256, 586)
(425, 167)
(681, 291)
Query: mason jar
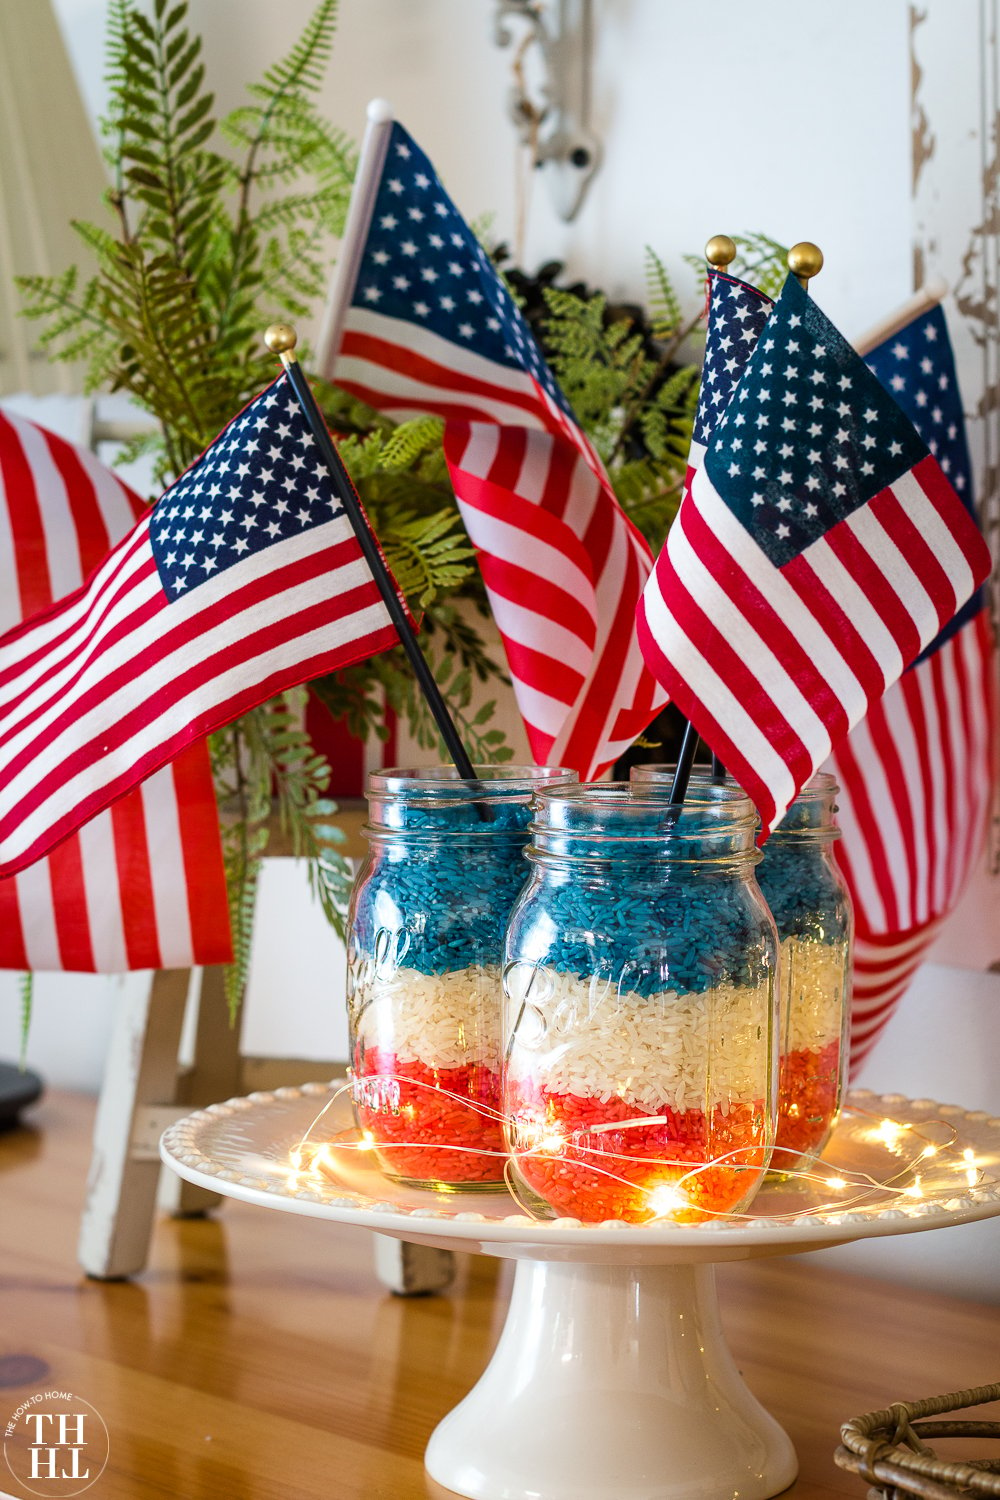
(812, 912)
(425, 936)
(640, 1007)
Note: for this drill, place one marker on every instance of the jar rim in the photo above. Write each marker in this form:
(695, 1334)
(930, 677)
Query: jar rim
(492, 780)
(821, 783)
(582, 812)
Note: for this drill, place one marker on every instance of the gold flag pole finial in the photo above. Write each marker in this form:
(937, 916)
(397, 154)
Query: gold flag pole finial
(719, 251)
(281, 339)
(805, 260)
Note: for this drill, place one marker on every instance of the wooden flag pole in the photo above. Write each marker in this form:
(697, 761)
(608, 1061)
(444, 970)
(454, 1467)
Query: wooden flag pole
(929, 295)
(371, 160)
(281, 339)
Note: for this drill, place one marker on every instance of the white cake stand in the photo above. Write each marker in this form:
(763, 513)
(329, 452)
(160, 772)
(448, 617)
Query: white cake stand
(612, 1376)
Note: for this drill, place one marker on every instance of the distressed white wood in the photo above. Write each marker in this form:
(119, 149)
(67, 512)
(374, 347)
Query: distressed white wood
(148, 1124)
(141, 1070)
(212, 1075)
(955, 53)
(412, 1270)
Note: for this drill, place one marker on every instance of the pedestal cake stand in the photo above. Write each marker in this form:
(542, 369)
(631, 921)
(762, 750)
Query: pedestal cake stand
(612, 1376)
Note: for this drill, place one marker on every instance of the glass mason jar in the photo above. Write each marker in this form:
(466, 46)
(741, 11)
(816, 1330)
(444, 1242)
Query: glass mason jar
(812, 912)
(425, 935)
(639, 1007)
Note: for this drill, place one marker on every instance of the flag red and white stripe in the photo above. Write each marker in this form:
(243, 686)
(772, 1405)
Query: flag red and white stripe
(819, 551)
(142, 884)
(562, 563)
(916, 780)
(186, 625)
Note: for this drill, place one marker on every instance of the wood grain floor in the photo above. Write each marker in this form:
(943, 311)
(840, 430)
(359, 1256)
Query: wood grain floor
(259, 1359)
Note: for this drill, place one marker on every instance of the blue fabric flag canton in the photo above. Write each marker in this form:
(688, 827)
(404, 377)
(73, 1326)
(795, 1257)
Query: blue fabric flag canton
(737, 314)
(918, 366)
(423, 265)
(258, 484)
(810, 436)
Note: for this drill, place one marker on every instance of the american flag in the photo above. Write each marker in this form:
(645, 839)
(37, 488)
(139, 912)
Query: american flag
(429, 327)
(142, 885)
(737, 313)
(819, 551)
(244, 579)
(939, 714)
(916, 776)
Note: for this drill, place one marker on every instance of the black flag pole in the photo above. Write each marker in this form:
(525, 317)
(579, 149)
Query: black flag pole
(281, 340)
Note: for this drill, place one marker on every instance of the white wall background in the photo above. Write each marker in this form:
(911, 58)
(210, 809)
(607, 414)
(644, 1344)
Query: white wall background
(779, 117)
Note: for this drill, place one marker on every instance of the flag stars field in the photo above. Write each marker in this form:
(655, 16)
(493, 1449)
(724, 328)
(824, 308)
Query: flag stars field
(836, 456)
(473, 307)
(191, 543)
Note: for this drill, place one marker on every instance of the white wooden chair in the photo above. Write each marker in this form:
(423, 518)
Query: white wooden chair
(147, 1087)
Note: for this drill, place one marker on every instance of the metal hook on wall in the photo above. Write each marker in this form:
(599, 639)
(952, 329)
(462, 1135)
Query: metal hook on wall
(557, 129)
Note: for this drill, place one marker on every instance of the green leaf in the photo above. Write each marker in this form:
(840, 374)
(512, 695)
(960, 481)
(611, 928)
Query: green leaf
(196, 113)
(190, 87)
(181, 66)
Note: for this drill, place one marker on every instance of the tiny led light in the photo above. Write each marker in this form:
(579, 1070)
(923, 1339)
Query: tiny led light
(889, 1132)
(667, 1199)
(914, 1190)
(367, 1141)
(551, 1142)
(836, 1183)
(929, 1151)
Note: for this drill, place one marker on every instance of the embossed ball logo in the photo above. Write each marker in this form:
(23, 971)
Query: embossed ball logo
(55, 1443)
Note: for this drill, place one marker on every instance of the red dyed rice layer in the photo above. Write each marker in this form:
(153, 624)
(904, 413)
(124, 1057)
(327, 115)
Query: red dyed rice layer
(807, 1104)
(608, 1174)
(407, 1109)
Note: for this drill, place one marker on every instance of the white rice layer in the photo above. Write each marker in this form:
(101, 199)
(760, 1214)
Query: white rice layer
(447, 1020)
(813, 978)
(666, 1050)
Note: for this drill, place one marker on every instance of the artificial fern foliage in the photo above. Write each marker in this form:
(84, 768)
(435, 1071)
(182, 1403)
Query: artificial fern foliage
(213, 229)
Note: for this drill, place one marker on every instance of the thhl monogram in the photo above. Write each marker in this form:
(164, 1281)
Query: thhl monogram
(57, 1446)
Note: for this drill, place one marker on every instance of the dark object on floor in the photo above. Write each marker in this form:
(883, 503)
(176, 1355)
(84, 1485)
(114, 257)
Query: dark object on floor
(17, 1091)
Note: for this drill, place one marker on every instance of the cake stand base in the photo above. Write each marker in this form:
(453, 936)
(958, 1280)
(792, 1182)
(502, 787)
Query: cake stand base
(611, 1380)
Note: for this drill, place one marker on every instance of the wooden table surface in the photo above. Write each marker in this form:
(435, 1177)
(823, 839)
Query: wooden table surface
(259, 1359)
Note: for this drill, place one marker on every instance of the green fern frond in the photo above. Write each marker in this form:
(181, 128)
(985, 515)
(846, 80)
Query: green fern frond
(664, 304)
(761, 261)
(428, 555)
(26, 990)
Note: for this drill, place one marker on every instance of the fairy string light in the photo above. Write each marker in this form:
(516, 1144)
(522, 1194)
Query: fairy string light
(928, 1164)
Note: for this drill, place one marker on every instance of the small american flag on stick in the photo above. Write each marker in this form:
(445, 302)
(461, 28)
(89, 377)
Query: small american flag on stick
(818, 552)
(917, 774)
(142, 885)
(424, 324)
(244, 579)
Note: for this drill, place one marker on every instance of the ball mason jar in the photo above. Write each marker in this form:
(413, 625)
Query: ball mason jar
(812, 912)
(640, 1007)
(425, 936)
